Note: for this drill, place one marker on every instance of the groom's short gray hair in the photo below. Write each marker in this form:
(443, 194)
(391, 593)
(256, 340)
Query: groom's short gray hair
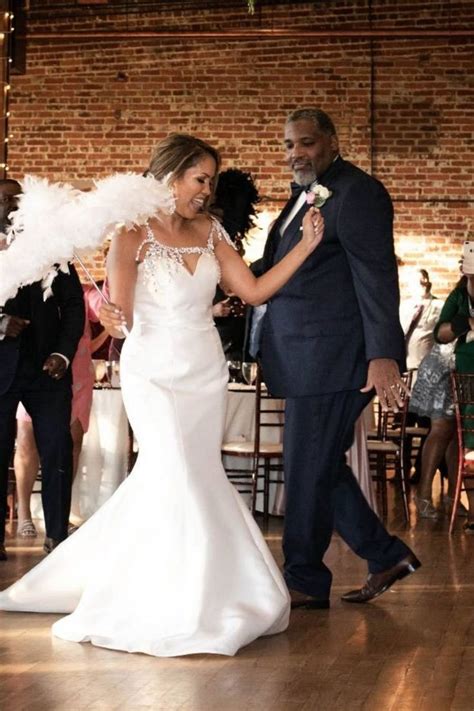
(320, 119)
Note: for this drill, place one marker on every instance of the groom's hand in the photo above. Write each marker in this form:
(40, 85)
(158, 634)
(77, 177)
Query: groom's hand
(384, 376)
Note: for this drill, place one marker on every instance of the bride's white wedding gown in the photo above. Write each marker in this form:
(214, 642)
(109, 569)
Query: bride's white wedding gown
(173, 563)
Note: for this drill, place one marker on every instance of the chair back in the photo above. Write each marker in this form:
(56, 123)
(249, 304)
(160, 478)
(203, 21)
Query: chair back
(269, 413)
(390, 445)
(463, 397)
(391, 422)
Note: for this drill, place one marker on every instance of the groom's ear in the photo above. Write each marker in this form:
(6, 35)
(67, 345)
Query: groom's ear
(335, 143)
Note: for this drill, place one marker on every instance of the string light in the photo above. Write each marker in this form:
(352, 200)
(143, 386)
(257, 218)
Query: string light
(5, 74)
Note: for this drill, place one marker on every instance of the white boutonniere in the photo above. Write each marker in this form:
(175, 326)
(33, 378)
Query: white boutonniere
(317, 195)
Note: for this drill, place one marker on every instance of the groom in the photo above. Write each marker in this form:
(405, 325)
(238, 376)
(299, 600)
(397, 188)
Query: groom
(331, 337)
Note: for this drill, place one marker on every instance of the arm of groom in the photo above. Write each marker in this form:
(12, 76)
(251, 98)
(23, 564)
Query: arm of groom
(240, 280)
(365, 229)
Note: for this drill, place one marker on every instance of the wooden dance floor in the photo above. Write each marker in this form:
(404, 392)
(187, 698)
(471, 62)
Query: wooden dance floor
(412, 650)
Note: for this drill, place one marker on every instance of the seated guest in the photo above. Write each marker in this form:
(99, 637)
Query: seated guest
(38, 340)
(456, 325)
(418, 317)
(431, 398)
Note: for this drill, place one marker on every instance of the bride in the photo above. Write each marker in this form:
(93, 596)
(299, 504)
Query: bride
(173, 563)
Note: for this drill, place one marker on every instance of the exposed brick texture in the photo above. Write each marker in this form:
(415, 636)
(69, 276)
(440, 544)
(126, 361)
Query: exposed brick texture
(86, 108)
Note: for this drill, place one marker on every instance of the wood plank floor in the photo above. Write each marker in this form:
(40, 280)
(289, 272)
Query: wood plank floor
(412, 650)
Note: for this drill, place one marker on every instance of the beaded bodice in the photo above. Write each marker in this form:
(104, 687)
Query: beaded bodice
(173, 256)
(167, 292)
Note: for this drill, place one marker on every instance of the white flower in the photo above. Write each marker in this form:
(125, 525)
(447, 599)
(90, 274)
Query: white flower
(317, 195)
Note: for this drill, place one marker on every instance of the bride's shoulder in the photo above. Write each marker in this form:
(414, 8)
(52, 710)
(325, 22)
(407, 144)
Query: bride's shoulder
(202, 223)
(203, 228)
(217, 233)
(131, 235)
(127, 240)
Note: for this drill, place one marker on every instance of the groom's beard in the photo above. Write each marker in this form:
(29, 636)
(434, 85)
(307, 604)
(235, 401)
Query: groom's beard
(304, 177)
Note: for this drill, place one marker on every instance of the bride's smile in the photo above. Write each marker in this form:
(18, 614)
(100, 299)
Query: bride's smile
(194, 188)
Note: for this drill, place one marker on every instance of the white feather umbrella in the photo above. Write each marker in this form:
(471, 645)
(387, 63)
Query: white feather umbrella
(55, 222)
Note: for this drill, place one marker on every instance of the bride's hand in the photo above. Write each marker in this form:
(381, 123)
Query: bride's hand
(112, 319)
(313, 229)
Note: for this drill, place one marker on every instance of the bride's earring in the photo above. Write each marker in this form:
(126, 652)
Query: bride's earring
(172, 207)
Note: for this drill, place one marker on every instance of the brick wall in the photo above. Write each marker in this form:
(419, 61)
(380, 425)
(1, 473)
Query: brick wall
(90, 107)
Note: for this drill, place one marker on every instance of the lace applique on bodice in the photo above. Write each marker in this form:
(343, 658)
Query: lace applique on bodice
(172, 257)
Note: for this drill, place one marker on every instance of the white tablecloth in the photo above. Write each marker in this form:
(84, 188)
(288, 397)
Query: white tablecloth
(104, 457)
(240, 426)
(103, 461)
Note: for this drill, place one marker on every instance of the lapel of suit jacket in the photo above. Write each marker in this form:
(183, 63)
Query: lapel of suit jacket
(292, 233)
(273, 240)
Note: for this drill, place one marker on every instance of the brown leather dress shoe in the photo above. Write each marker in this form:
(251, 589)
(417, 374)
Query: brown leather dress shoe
(3, 552)
(307, 602)
(378, 583)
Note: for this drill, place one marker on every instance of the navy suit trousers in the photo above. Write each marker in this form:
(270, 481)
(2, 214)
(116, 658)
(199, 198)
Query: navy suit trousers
(323, 494)
(49, 405)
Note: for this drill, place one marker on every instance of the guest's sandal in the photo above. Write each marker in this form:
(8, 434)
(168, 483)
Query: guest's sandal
(27, 529)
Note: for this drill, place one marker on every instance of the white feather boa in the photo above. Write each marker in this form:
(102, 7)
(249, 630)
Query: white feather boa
(56, 221)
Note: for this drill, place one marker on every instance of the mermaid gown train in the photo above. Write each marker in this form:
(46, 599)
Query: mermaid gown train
(173, 563)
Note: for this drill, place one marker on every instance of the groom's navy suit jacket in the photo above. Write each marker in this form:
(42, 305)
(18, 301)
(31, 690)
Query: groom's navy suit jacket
(340, 309)
(57, 325)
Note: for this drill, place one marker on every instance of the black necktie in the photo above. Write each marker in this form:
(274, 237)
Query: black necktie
(414, 322)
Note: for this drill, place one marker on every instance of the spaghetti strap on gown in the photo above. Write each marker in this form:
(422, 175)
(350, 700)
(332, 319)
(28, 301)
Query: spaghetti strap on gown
(173, 563)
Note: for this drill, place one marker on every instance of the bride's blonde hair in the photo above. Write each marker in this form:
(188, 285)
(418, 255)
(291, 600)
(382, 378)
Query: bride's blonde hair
(176, 153)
